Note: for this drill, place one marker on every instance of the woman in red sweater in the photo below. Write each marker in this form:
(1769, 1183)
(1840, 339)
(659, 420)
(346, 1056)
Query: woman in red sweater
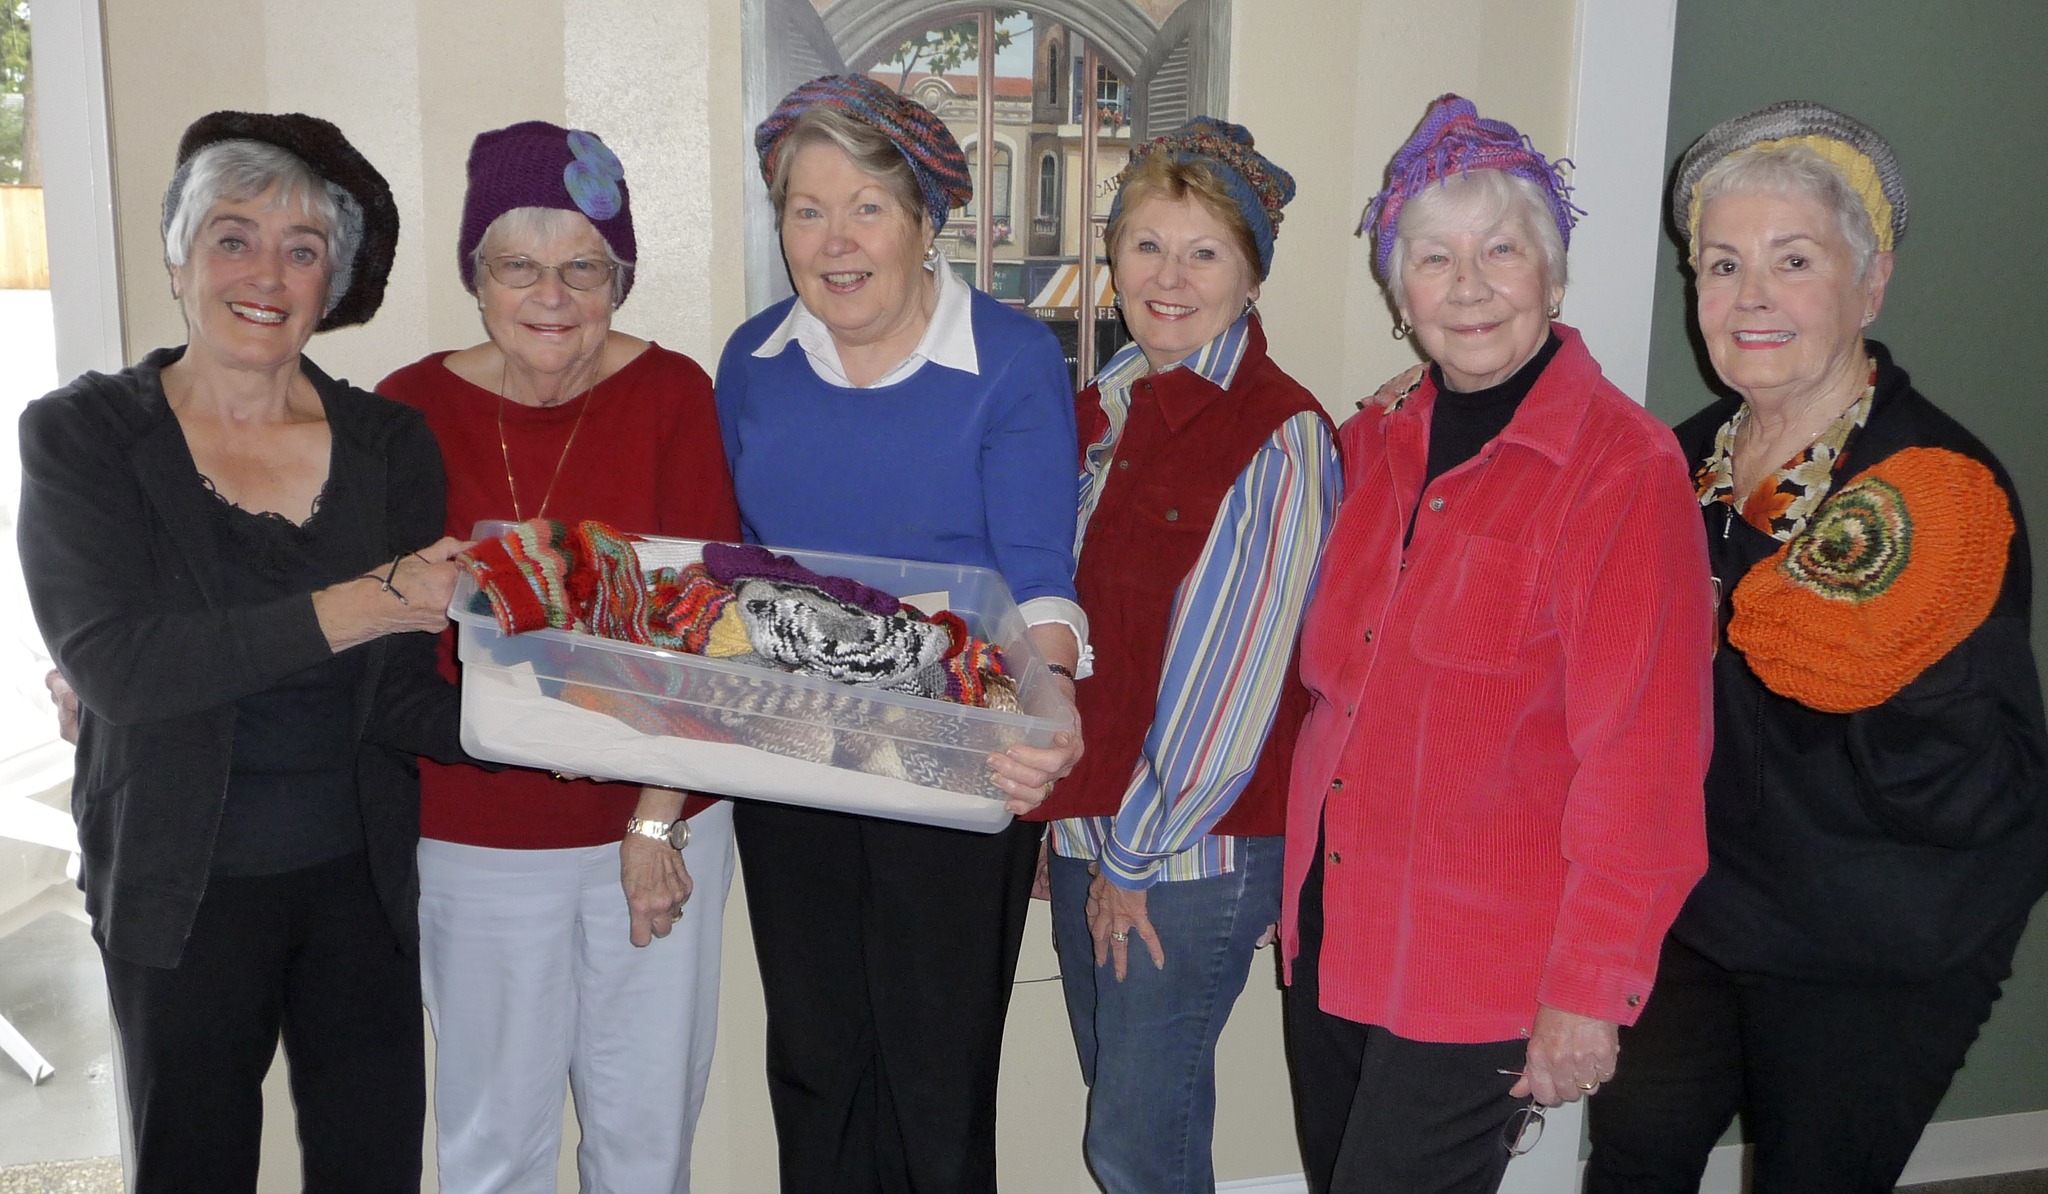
(536, 964)
(1495, 806)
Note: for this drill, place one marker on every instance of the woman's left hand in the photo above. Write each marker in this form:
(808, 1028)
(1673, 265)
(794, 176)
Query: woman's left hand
(657, 886)
(1569, 1057)
(1026, 774)
(1114, 917)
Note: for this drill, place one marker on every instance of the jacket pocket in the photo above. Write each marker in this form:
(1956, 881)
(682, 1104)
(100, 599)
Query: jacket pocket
(1476, 615)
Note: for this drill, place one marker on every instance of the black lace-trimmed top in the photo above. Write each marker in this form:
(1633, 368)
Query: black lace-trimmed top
(291, 799)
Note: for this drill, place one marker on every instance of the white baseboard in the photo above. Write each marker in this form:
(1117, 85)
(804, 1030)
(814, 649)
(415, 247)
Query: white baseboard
(1955, 1149)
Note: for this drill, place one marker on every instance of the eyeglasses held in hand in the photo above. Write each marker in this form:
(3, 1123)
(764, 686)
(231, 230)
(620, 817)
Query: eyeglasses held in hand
(522, 272)
(1524, 1129)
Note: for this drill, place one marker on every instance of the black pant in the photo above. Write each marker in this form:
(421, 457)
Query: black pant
(1379, 1114)
(887, 952)
(311, 953)
(1836, 1080)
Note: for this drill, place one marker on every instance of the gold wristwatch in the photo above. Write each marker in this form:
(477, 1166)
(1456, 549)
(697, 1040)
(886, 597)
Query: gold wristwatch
(674, 833)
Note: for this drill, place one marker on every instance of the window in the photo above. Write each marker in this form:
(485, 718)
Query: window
(1112, 98)
(1050, 86)
(998, 186)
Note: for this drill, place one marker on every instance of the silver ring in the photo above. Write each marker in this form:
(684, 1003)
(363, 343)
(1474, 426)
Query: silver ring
(1119, 936)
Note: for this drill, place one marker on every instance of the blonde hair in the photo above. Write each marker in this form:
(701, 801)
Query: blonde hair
(1163, 176)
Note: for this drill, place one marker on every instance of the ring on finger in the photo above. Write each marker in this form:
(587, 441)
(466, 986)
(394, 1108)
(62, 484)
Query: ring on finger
(1119, 935)
(1589, 1087)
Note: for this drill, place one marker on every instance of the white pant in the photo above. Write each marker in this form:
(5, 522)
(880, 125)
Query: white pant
(529, 976)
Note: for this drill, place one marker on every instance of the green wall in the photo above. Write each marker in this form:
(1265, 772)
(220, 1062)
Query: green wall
(1960, 88)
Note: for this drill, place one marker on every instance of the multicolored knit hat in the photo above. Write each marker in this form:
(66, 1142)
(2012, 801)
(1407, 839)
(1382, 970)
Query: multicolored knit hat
(358, 285)
(1454, 139)
(537, 164)
(925, 141)
(1259, 187)
(1858, 153)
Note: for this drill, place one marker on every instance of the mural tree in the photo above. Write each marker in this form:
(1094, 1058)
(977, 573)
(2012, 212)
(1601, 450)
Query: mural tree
(946, 49)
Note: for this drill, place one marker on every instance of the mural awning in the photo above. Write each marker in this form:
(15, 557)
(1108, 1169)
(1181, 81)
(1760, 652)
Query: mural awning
(1060, 298)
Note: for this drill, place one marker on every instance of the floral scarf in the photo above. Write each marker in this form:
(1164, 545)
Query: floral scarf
(1782, 503)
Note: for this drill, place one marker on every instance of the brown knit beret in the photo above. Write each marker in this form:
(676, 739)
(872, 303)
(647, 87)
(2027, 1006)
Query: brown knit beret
(329, 155)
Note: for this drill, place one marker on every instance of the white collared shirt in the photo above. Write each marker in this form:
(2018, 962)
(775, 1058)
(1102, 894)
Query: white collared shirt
(948, 339)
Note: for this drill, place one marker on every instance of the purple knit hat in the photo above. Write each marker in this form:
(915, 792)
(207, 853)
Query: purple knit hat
(537, 164)
(925, 141)
(1455, 139)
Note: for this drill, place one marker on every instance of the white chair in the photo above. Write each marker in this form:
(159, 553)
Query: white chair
(50, 884)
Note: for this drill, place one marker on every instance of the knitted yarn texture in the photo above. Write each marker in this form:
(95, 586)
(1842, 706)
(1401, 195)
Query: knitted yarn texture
(1259, 187)
(1454, 139)
(538, 164)
(1891, 573)
(1858, 152)
(918, 133)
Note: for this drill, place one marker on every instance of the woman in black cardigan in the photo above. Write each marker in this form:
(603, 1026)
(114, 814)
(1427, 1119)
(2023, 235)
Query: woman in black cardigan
(233, 559)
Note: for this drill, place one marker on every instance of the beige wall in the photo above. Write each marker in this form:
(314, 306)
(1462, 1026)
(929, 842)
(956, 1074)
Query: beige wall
(1330, 87)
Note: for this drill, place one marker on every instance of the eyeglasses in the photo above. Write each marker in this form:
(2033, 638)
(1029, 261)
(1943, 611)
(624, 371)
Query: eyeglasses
(522, 272)
(1524, 1129)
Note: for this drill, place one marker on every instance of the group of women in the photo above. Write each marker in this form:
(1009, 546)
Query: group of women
(1563, 757)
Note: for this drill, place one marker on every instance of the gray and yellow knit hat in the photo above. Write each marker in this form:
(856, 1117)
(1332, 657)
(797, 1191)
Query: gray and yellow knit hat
(1858, 152)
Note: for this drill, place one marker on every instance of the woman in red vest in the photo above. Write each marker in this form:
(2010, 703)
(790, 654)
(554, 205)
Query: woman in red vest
(1209, 478)
(1495, 809)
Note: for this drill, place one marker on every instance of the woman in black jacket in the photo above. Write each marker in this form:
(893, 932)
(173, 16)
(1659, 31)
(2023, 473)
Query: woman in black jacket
(1877, 804)
(233, 559)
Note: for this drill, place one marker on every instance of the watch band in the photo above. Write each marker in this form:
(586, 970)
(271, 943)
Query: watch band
(674, 833)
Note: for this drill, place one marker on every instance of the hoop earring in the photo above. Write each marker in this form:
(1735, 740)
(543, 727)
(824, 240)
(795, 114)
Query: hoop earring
(1403, 330)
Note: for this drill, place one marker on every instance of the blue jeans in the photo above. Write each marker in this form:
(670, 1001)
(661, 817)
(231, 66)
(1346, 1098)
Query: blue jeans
(1148, 1044)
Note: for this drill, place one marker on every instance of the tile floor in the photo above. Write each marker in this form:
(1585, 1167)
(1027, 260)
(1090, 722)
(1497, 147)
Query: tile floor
(51, 990)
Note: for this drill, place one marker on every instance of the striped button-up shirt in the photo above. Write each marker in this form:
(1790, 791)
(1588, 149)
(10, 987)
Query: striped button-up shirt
(1232, 635)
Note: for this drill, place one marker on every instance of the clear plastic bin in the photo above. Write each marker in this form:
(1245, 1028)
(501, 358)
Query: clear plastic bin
(586, 705)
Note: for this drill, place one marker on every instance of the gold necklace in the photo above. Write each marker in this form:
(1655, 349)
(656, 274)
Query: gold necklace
(589, 399)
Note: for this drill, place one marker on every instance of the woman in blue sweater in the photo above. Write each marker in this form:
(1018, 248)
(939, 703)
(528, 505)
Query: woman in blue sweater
(890, 409)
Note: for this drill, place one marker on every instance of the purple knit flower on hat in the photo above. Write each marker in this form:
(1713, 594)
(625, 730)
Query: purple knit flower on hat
(592, 176)
(1455, 139)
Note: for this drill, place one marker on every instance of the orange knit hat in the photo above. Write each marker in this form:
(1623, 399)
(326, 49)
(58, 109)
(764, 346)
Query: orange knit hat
(1894, 570)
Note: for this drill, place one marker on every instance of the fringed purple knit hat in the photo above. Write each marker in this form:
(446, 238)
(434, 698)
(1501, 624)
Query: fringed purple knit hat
(1455, 139)
(537, 164)
(1258, 186)
(925, 141)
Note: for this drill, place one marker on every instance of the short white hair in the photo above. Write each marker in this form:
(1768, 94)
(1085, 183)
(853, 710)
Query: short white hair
(1793, 170)
(237, 171)
(1478, 199)
(533, 224)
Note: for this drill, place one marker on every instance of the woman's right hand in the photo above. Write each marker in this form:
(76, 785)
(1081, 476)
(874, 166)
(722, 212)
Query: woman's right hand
(412, 596)
(1397, 386)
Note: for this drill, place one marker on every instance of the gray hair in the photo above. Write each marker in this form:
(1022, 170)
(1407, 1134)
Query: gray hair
(872, 154)
(236, 171)
(1479, 199)
(1793, 170)
(543, 223)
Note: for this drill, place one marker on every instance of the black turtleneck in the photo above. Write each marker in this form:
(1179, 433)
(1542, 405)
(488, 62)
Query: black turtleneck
(1462, 423)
